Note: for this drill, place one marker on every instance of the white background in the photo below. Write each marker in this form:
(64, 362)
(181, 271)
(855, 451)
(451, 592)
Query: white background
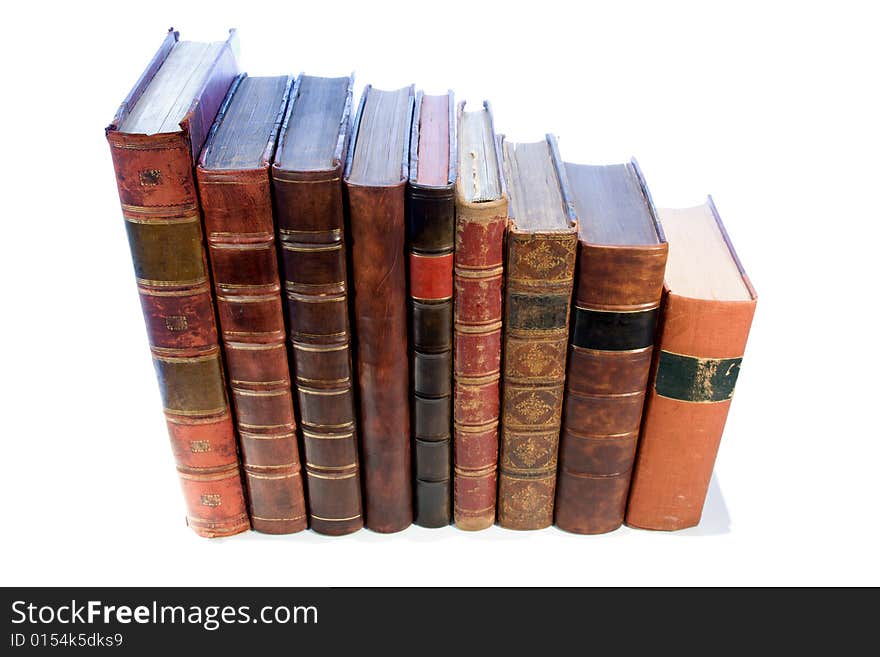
(770, 107)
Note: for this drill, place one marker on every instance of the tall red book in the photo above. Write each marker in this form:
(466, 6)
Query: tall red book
(235, 189)
(154, 139)
(708, 305)
(481, 221)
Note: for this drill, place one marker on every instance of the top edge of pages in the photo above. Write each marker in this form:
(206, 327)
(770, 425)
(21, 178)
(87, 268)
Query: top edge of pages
(390, 314)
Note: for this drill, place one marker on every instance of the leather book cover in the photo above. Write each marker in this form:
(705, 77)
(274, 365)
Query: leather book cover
(377, 221)
(618, 285)
(478, 277)
(431, 223)
(700, 345)
(540, 276)
(312, 236)
(154, 175)
(237, 207)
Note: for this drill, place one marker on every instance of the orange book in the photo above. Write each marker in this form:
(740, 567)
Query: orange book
(708, 304)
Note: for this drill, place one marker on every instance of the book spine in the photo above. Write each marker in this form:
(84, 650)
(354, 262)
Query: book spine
(479, 278)
(237, 206)
(431, 213)
(540, 275)
(379, 276)
(311, 231)
(154, 175)
(700, 346)
(616, 307)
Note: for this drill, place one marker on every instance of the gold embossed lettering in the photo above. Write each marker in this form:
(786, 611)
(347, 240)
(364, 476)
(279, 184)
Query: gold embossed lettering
(212, 499)
(176, 323)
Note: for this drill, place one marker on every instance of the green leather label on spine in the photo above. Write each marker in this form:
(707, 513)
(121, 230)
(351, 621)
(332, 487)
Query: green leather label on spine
(692, 379)
(167, 253)
(537, 312)
(191, 386)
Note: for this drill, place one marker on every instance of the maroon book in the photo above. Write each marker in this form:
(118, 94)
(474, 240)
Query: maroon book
(235, 188)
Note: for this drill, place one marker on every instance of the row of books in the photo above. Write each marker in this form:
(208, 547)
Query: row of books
(532, 342)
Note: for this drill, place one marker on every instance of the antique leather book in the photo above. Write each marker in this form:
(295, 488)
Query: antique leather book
(154, 140)
(621, 258)
(233, 180)
(307, 180)
(707, 309)
(431, 223)
(541, 250)
(375, 183)
(481, 220)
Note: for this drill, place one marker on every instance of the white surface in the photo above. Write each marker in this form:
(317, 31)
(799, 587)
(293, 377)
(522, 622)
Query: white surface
(770, 107)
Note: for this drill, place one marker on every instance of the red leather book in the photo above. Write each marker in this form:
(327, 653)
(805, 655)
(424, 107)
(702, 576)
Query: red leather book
(154, 140)
(541, 249)
(621, 259)
(481, 220)
(707, 310)
(234, 186)
(307, 180)
(431, 222)
(375, 182)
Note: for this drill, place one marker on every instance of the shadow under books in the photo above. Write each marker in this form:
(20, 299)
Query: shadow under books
(716, 517)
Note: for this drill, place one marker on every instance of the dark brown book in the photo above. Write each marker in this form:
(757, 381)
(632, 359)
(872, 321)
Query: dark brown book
(431, 223)
(621, 258)
(707, 310)
(481, 220)
(307, 180)
(375, 182)
(541, 249)
(236, 194)
(154, 140)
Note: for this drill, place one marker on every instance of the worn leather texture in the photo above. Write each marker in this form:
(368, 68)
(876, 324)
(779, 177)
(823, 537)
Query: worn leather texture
(680, 439)
(431, 224)
(237, 208)
(311, 230)
(378, 250)
(540, 275)
(616, 300)
(479, 279)
(154, 175)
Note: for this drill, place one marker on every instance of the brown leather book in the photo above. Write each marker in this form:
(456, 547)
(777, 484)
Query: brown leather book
(431, 223)
(708, 304)
(375, 182)
(541, 249)
(307, 180)
(233, 179)
(154, 140)
(621, 258)
(481, 220)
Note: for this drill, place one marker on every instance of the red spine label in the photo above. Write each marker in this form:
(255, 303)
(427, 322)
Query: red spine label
(430, 276)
